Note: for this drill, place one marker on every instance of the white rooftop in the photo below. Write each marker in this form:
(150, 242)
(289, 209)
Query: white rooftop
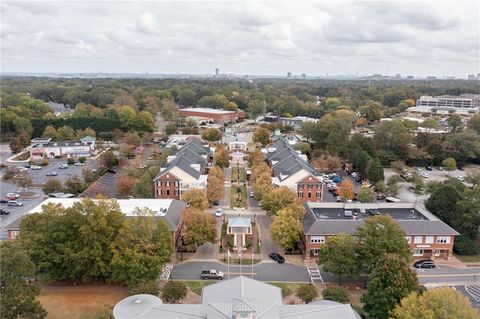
(207, 110)
(127, 206)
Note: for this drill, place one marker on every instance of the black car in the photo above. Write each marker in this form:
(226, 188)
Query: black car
(3, 201)
(424, 263)
(279, 259)
(112, 170)
(429, 168)
(4, 212)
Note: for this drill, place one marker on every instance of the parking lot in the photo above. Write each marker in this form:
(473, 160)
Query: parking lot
(330, 198)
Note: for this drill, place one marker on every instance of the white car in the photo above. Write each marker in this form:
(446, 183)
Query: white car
(36, 167)
(13, 195)
(52, 173)
(425, 175)
(79, 164)
(461, 178)
(63, 166)
(419, 169)
(219, 212)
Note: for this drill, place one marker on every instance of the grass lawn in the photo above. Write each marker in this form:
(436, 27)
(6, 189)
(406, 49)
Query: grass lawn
(197, 285)
(287, 288)
(235, 176)
(245, 261)
(469, 258)
(234, 195)
(82, 301)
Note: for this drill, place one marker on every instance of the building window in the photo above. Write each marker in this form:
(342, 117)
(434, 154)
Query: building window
(408, 239)
(168, 192)
(443, 239)
(437, 252)
(159, 184)
(168, 184)
(429, 240)
(309, 194)
(318, 195)
(14, 233)
(315, 252)
(418, 239)
(300, 194)
(317, 239)
(300, 186)
(176, 192)
(417, 252)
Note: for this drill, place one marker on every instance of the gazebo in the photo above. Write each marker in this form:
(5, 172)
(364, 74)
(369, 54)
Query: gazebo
(239, 227)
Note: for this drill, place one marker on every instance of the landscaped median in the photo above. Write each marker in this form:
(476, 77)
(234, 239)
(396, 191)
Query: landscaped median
(238, 174)
(238, 196)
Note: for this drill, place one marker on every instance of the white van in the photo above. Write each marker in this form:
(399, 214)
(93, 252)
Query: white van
(392, 200)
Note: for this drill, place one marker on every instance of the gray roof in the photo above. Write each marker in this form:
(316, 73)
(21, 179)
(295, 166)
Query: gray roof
(285, 160)
(224, 299)
(194, 152)
(174, 214)
(425, 223)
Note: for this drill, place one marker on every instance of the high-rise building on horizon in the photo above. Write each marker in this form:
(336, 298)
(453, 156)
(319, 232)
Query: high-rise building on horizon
(289, 74)
(304, 75)
(216, 72)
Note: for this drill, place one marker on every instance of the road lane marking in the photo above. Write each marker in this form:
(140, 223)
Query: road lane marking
(240, 273)
(447, 275)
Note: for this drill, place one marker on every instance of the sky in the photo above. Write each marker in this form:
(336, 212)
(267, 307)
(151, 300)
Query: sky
(440, 38)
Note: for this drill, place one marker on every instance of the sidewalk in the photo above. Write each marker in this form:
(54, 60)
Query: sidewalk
(456, 263)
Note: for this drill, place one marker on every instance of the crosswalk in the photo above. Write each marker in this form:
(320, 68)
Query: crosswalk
(473, 291)
(314, 274)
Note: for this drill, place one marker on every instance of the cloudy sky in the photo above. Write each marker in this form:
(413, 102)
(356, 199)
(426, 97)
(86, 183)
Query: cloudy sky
(336, 37)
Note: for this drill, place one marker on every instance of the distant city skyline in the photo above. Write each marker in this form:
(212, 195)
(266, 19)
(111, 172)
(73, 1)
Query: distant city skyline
(337, 38)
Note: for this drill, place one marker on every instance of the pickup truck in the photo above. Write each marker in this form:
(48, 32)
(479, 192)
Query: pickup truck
(211, 274)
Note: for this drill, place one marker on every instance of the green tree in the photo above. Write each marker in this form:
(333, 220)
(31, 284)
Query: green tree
(74, 184)
(336, 293)
(339, 256)
(443, 302)
(307, 293)
(372, 111)
(231, 106)
(393, 137)
(392, 186)
(391, 280)
(52, 185)
(195, 198)
(200, 227)
(211, 135)
(18, 296)
(262, 136)
(449, 164)
(364, 162)
(174, 291)
(145, 121)
(366, 195)
(375, 171)
(127, 116)
(277, 199)
(474, 123)
(141, 249)
(65, 133)
(380, 235)
(15, 146)
(256, 108)
(286, 228)
(303, 147)
(454, 121)
(108, 159)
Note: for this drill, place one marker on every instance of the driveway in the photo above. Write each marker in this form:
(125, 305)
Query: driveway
(266, 243)
(262, 271)
(207, 251)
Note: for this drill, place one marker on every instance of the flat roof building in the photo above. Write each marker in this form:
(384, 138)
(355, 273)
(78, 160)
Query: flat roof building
(465, 104)
(426, 234)
(209, 114)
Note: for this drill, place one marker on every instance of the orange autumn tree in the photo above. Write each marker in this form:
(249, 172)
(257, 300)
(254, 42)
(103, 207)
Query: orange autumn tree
(345, 190)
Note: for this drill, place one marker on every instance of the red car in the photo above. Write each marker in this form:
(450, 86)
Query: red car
(10, 197)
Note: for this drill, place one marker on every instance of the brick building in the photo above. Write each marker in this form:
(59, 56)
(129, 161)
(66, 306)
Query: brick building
(292, 170)
(213, 115)
(185, 170)
(426, 235)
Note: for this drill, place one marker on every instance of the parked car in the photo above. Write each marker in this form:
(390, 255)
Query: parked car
(36, 167)
(251, 194)
(211, 274)
(112, 170)
(380, 197)
(63, 166)
(3, 201)
(279, 259)
(4, 212)
(429, 168)
(79, 164)
(16, 195)
(10, 197)
(424, 263)
(461, 178)
(14, 203)
(337, 179)
(425, 175)
(216, 202)
(219, 212)
(52, 173)
(439, 168)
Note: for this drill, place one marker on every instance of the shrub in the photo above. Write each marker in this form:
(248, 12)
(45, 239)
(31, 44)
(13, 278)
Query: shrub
(82, 159)
(307, 293)
(149, 287)
(44, 162)
(9, 174)
(174, 291)
(464, 245)
(70, 161)
(336, 293)
(52, 185)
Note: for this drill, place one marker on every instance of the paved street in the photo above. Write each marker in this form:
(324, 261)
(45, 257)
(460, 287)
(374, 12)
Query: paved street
(266, 244)
(264, 271)
(472, 292)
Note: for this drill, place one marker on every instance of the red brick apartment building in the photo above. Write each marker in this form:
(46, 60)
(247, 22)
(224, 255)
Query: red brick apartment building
(427, 236)
(185, 170)
(293, 170)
